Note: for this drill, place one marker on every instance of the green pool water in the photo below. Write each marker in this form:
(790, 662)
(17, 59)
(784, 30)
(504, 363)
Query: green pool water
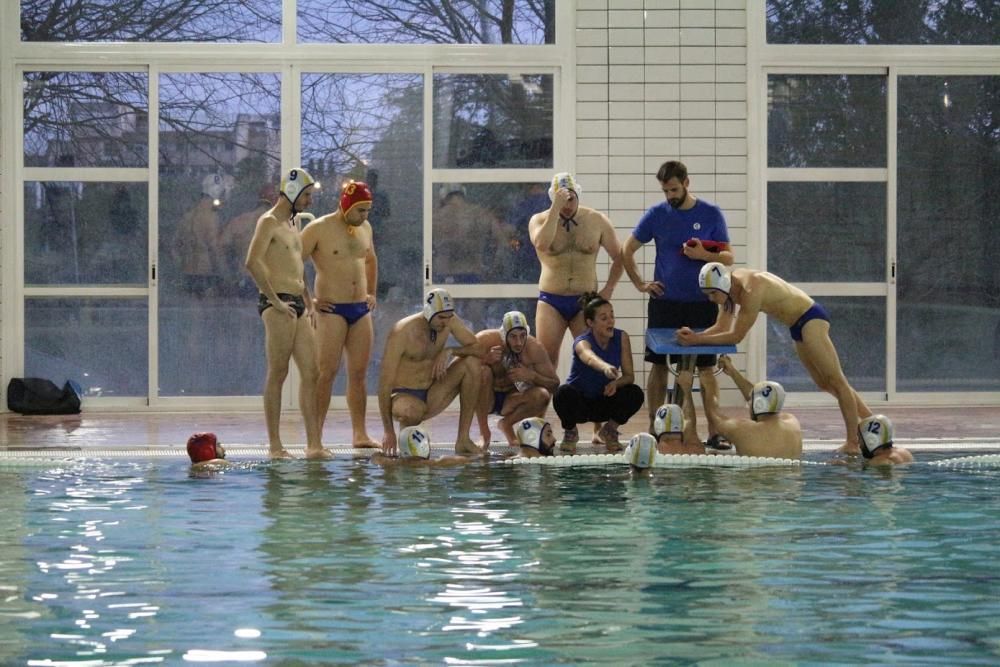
(115, 563)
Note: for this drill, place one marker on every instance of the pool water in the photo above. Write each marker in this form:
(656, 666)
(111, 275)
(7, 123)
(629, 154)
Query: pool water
(111, 562)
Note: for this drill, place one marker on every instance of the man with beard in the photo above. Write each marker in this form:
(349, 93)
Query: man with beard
(688, 232)
(518, 377)
(341, 248)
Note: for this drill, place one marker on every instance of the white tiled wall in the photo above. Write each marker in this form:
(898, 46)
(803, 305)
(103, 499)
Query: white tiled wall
(661, 80)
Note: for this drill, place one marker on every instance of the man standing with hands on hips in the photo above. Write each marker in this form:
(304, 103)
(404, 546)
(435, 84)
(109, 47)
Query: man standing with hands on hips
(688, 233)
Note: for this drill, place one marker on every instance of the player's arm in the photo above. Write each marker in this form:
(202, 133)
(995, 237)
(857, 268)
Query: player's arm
(256, 254)
(611, 245)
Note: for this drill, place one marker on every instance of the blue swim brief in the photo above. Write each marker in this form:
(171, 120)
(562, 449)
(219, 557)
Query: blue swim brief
(568, 305)
(815, 312)
(416, 393)
(352, 312)
(498, 400)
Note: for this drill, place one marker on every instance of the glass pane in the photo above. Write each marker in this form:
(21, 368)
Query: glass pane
(407, 22)
(160, 21)
(86, 119)
(369, 127)
(100, 343)
(857, 328)
(948, 206)
(826, 121)
(492, 120)
(480, 232)
(85, 233)
(839, 237)
(219, 163)
(881, 22)
(480, 314)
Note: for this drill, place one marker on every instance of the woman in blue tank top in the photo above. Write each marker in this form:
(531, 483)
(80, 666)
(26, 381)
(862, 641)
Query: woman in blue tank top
(601, 384)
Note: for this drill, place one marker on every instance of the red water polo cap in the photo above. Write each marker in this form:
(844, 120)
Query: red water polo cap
(354, 193)
(201, 447)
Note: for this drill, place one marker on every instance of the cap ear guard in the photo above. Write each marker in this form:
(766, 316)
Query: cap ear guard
(767, 398)
(414, 443)
(514, 319)
(715, 276)
(438, 300)
(564, 179)
(874, 433)
(641, 451)
(669, 419)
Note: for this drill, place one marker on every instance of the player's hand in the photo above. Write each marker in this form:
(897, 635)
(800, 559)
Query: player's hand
(494, 355)
(685, 336)
(370, 301)
(694, 249)
(726, 364)
(285, 309)
(389, 444)
(561, 197)
(441, 364)
(655, 288)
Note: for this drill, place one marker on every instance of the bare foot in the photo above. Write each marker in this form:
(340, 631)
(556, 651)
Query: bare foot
(465, 447)
(280, 454)
(508, 432)
(319, 454)
(850, 449)
(365, 442)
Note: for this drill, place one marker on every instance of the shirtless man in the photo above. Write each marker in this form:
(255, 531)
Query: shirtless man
(518, 377)
(875, 434)
(419, 379)
(341, 248)
(759, 291)
(674, 429)
(769, 432)
(567, 237)
(275, 262)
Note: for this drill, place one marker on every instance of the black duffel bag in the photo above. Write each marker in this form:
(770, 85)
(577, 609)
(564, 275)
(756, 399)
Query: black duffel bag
(38, 396)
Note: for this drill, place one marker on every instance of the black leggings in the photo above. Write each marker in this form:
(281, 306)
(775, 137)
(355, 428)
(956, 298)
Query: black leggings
(574, 408)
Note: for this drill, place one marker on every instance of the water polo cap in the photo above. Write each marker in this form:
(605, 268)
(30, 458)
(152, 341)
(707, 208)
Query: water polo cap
(564, 179)
(669, 420)
(715, 276)
(874, 432)
(294, 183)
(766, 398)
(414, 443)
(514, 319)
(641, 451)
(354, 193)
(438, 300)
(201, 447)
(529, 434)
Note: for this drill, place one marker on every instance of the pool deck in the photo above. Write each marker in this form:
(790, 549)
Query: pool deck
(165, 434)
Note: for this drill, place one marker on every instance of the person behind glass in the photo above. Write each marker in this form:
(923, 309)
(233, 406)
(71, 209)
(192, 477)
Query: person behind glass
(518, 378)
(196, 242)
(275, 262)
(601, 384)
(234, 238)
(342, 249)
(769, 432)
(688, 232)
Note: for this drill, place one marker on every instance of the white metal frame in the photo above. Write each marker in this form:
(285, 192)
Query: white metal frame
(892, 62)
(291, 60)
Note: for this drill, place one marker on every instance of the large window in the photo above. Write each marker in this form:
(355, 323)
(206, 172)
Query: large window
(882, 22)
